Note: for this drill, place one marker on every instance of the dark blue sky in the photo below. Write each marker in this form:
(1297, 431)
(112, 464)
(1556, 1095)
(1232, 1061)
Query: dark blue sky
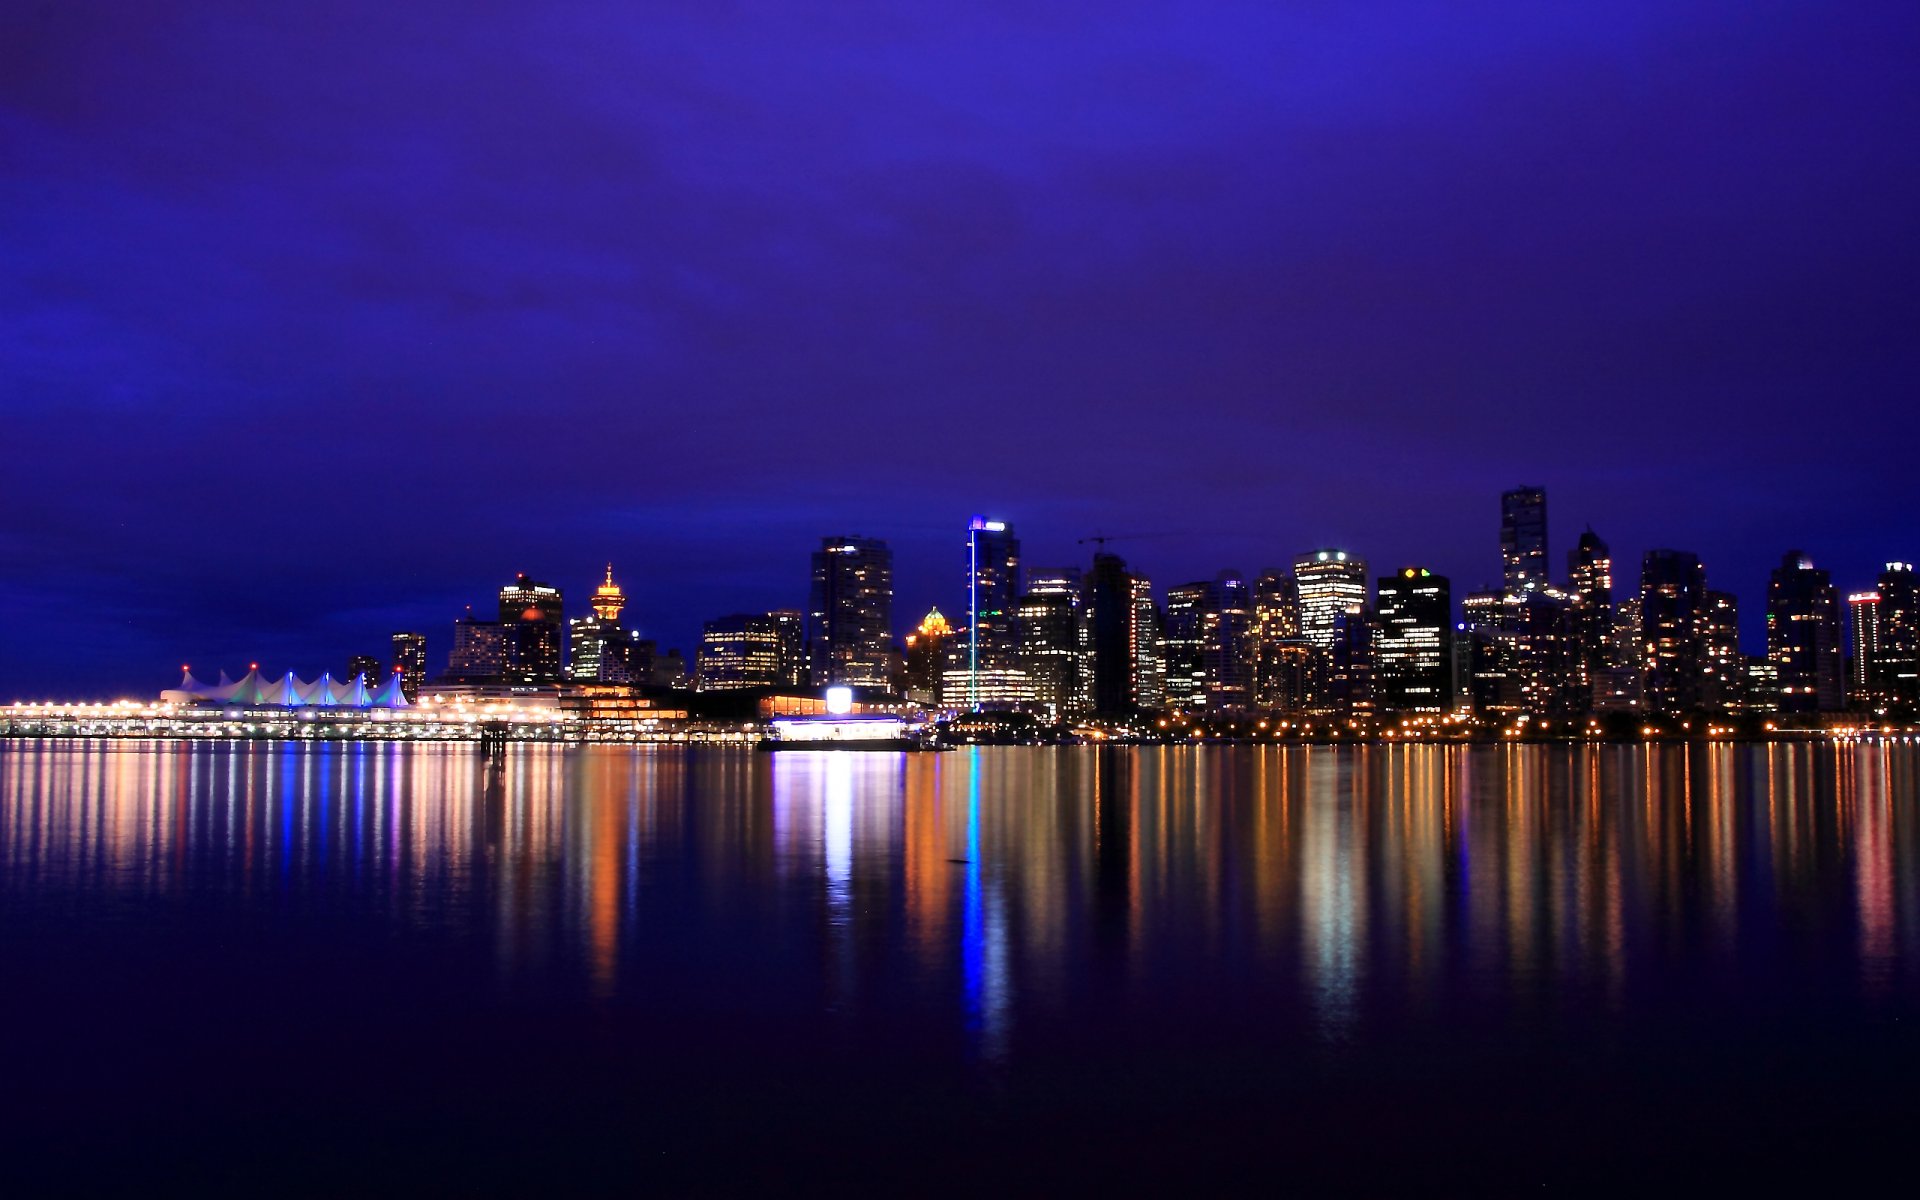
(320, 321)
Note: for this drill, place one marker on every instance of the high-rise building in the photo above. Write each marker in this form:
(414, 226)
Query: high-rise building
(531, 615)
(1723, 684)
(602, 648)
(993, 588)
(850, 617)
(741, 650)
(367, 666)
(1147, 639)
(410, 660)
(1863, 649)
(1350, 666)
(1523, 538)
(1329, 582)
(1898, 662)
(1413, 642)
(479, 652)
(1107, 608)
(1182, 644)
(927, 648)
(1207, 641)
(1492, 671)
(1054, 643)
(1673, 587)
(1280, 659)
(1803, 636)
(1590, 588)
(791, 624)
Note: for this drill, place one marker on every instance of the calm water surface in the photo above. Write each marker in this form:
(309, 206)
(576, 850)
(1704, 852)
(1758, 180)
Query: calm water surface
(380, 967)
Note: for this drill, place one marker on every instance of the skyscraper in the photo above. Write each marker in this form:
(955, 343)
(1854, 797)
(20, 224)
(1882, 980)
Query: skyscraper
(1673, 588)
(1863, 644)
(1523, 538)
(410, 659)
(365, 666)
(993, 588)
(1054, 639)
(1724, 671)
(850, 616)
(791, 624)
(1803, 636)
(1107, 609)
(479, 653)
(1207, 644)
(741, 650)
(1281, 660)
(1329, 582)
(1590, 585)
(531, 615)
(1185, 665)
(1146, 636)
(602, 647)
(926, 658)
(1413, 642)
(1899, 657)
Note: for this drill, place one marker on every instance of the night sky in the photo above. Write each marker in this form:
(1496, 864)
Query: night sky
(321, 321)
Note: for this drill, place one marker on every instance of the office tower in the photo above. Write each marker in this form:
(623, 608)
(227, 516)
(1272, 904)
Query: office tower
(1181, 644)
(1350, 664)
(601, 647)
(1329, 582)
(668, 670)
(791, 624)
(850, 616)
(1523, 538)
(1673, 588)
(1107, 609)
(1280, 659)
(1054, 639)
(1413, 642)
(1803, 636)
(1544, 659)
(1224, 628)
(1899, 658)
(1147, 638)
(479, 652)
(993, 587)
(367, 666)
(926, 659)
(531, 615)
(1590, 587)
(1724, 669)
(410, 659)
(741, 650)
(1863, 649)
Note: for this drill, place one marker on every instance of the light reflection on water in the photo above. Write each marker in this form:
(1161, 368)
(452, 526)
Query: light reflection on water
(987, 888)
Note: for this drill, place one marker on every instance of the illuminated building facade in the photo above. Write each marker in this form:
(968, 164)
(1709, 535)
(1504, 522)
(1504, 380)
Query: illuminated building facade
(1186, 670)
(1350, 665)
(850, 616)
(1208, 644)
(1673, 587)
(367, 667)
(531, 616)
(1590, 591)
(479, 653)
(1280, 659)
(410, 660)
(1146, 637)
(1897, 665)
(603, 650)
(1803, 636)
(741, 650)
(791, 624)
(1863, 646)
(1523, 538)
(928, 647)
(1054, 643)
(1724, 669)
(1329, 582)
(993, 589)
(1413, 642)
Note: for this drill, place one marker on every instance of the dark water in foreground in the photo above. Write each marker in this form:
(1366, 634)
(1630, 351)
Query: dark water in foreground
(376, 968)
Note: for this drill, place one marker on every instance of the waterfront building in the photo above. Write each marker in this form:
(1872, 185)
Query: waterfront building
(850, 615)
(1413, 642)
(602, 649)
(1803, 636)
(1329, 582)
(927, 650)
(741, 650)
(1280, 660)
(479, 652)
(1724, 669)
(531, 614)
(993, 588)
(1898, 660)
(1863, 649)
(1523, 538)
(1673, 586)
(1054, 639)
(791, 625)
(1590, 589)
(410, 660)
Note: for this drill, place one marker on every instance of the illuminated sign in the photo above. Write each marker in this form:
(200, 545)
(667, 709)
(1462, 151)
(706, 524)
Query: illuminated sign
(839, 701)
